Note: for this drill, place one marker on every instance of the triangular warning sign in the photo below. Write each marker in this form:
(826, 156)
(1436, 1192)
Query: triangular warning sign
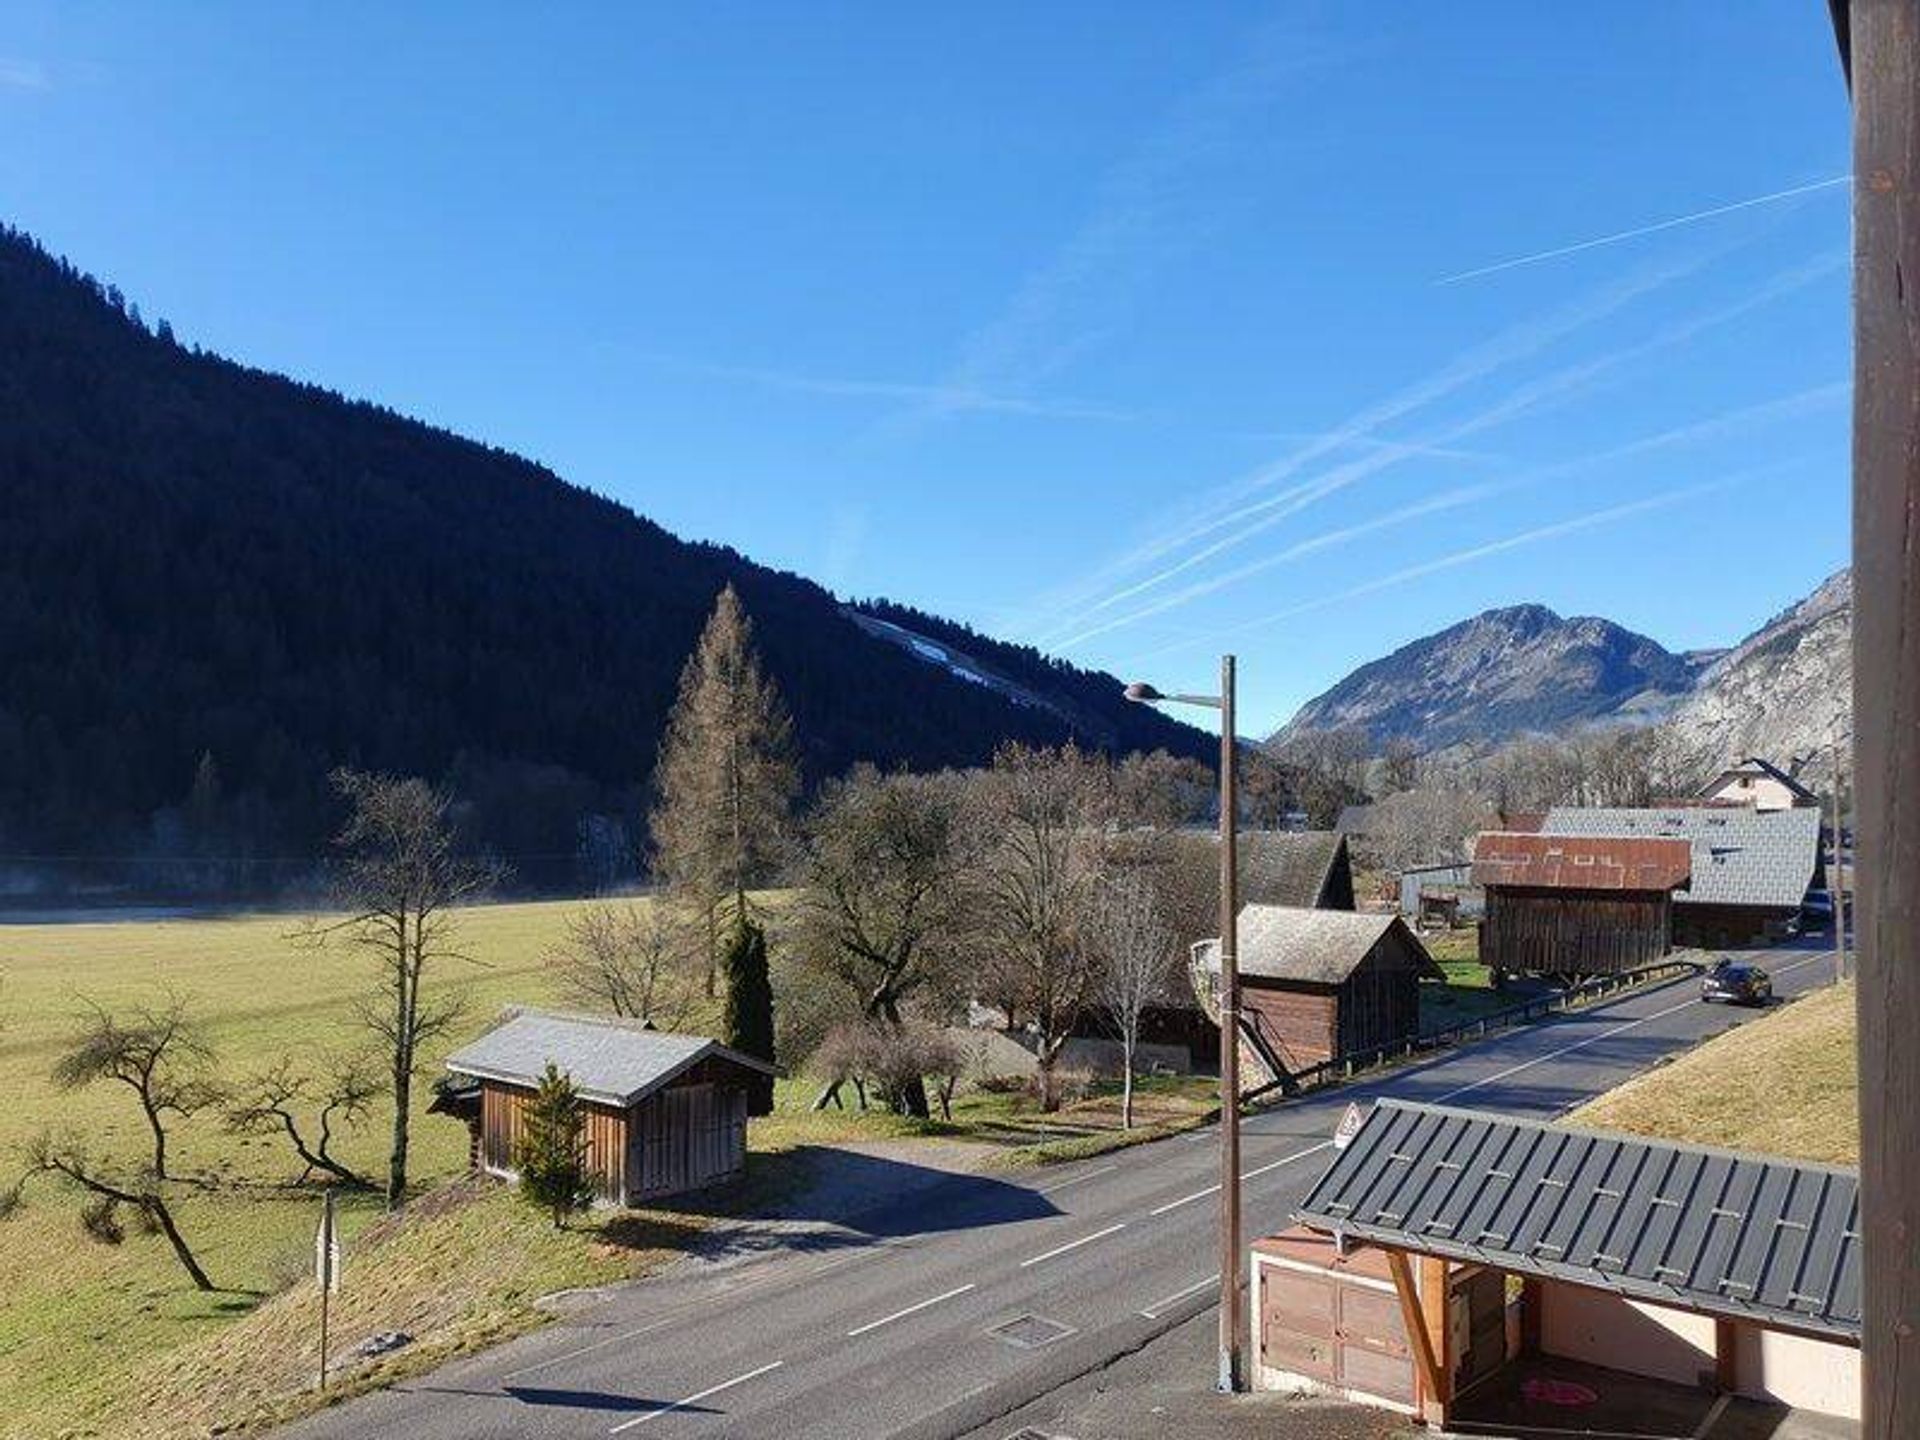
(1349, 1126)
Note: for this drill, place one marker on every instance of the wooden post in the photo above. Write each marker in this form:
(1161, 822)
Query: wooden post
(1726, 1341)
(1433, 1381)
(1884, 39)
(1837, 881)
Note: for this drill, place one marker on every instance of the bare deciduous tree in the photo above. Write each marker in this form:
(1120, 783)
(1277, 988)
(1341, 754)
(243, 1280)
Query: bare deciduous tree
(401, 878)
(1161, 791)
(883, 891)
(337, 1091)
(1137, 955)
(158, 1054)
(630, 960)
(107, 1194)
(726, 777)
(1042, 816)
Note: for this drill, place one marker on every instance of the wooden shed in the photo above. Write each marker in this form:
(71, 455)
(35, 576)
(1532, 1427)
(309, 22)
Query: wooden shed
(1577, 905)
(665, 1113)
(1319, 984)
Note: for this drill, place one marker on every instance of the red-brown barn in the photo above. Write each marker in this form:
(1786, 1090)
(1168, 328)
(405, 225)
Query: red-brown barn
(1577, 905)
(665, 1113)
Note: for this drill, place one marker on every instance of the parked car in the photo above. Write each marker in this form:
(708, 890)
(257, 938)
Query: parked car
(1816, 912)
(1736, 984)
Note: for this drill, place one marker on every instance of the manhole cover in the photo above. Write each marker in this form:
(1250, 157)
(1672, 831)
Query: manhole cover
(1030, 1332)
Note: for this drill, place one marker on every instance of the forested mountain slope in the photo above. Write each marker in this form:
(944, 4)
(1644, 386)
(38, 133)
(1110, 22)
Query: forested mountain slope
(202, 559)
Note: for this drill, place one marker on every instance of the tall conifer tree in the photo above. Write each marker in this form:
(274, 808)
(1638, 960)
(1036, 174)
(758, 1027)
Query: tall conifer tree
(726, 777)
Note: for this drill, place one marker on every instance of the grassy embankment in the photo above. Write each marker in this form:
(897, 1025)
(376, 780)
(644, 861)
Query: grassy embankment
(1784, 1085)
(113, 1341)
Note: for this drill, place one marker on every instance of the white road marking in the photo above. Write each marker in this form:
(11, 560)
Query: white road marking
(1075, 1244)
(1063, 1184)
(1245, 1175)
(1590, 1040)
(1287, 1159)
(696, 1398)
(1183, 1200)
(910, 1310)
(1152, 1312)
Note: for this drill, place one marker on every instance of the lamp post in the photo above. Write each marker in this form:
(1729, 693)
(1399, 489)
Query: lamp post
(1232, 1322)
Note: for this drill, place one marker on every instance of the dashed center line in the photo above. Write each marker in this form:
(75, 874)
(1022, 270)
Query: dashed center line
(1075, 1244)
(1075, 1180)
(1245, 1175)
(695, 1398)
(910, 1310)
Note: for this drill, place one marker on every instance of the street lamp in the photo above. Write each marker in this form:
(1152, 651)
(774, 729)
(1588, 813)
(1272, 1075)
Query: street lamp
(1231, 1320)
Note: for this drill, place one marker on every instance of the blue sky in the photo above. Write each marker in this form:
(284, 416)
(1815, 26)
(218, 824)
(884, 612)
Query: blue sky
(1128, 330)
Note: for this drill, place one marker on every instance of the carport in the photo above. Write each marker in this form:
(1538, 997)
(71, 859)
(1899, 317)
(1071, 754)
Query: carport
(1488, 1272)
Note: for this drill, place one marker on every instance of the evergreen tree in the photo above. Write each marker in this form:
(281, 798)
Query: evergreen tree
(551, 1155)
(749, 1012)
(726, 777)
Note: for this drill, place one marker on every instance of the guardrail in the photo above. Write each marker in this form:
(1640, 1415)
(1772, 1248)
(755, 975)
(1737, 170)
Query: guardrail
(1344, 1067)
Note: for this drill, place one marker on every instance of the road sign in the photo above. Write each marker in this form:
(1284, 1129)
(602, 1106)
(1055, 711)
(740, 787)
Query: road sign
(326, 1249)
(1349, 1126)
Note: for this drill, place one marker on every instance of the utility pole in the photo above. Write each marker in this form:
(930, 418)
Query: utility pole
(1232, 1312)
(1233, 1323)
(1880, 47)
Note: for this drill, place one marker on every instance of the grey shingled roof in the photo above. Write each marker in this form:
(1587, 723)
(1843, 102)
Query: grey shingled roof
(610, 1060)
(1740, 856)
(1726, 1233)
(1281, 867)
(1315, 947)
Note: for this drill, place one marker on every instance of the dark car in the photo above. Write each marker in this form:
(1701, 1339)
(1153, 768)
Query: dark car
(1737, 984)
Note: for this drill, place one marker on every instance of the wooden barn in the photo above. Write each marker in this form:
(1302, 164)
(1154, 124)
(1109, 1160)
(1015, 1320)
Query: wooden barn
(1577, 905)
(1319, 984)
(666, 1113)
(1751, 868)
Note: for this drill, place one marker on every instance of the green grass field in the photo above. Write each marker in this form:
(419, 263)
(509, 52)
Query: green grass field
(1786, 1085)
(113, 1341)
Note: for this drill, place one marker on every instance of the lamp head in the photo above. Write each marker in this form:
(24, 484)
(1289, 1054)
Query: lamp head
(1142, 693)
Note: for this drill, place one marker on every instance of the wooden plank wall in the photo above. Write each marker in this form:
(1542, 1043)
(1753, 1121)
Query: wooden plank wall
(1380, 1001)
(1299, 1022)
(688, 1135)
(1574, 932)
(502, 1121)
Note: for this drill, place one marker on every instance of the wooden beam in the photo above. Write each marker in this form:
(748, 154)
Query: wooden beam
(1436, 1299)
(1726, 1340)
(1884, 38)
(1433, 1386)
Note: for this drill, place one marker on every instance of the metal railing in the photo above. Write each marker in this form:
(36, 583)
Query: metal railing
(1343, 1067)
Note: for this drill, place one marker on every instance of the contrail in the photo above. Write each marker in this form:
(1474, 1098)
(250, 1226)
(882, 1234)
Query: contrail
(1458, 558)
(1673, 224)
(1257, 516)
(1450, 500)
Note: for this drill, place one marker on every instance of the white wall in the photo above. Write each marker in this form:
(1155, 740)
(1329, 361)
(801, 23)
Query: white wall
(1606, 1329)
(1808, 1374)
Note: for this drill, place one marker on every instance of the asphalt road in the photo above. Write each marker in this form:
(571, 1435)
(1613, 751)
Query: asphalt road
(895, 1326)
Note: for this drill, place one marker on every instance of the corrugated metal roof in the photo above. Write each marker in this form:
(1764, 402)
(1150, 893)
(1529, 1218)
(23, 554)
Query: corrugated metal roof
(1726, 1233)
(1316, 947)
(612, 1060)
(1579, 862)
(1740, 856)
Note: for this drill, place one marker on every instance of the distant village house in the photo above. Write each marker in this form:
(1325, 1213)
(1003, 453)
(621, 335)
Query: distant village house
(1758, 783)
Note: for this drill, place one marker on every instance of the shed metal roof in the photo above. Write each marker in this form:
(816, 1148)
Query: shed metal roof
(1716, 1231)
(1316, 947)
(1581, 862)
(1740, 856)
(615, 1061)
